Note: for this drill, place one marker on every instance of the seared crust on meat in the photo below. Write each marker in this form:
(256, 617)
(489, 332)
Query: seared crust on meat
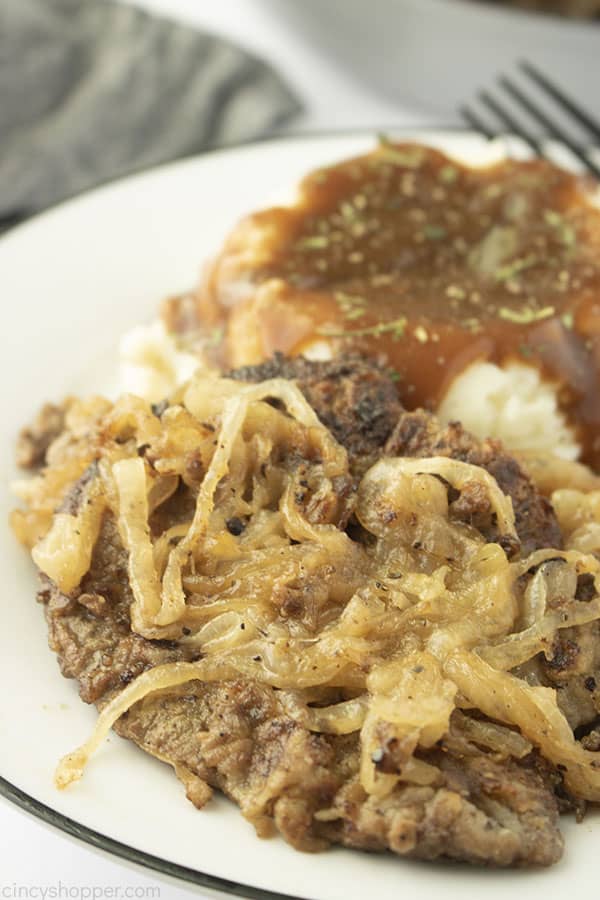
(235, 736)
(34, 440)
(420, 434)
(485, 812)
(357, 400)
(92, 634)
(354, 397)
(237, 739)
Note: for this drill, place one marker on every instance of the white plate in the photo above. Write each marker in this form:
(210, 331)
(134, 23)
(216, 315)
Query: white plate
(71, 282)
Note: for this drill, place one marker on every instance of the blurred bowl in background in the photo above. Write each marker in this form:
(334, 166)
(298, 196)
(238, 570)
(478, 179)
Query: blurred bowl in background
(434, 54)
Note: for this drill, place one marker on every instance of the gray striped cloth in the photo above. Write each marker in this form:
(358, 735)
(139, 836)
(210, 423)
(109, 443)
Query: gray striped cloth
(91, 90)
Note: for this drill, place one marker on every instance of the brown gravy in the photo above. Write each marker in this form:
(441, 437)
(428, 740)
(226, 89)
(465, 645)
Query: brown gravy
(429, 265)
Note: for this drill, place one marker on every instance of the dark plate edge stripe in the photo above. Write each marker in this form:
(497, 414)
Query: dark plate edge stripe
(131, 854)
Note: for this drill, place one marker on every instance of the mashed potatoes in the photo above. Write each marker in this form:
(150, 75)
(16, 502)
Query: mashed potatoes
(512, 403)
(477, 288)
(151, 363)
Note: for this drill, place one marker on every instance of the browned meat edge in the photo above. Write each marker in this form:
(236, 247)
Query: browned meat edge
(234, 736)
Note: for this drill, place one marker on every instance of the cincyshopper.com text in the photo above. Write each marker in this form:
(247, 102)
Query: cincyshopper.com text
(62, 891)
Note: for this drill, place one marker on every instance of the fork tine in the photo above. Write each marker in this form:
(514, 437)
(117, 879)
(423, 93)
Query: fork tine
(579, 114)
(475, 122)
(510, 122)
(551, 126)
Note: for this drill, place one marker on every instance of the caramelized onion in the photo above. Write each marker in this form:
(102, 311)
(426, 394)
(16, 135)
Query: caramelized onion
(64, 554)
(233, 514)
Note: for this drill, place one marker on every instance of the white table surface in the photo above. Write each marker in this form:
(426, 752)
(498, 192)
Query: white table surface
(36, 860)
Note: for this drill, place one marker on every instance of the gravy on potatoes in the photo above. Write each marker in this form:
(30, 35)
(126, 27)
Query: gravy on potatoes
(427, 264)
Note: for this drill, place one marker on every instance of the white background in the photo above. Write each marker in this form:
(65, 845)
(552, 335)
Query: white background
(32, 854)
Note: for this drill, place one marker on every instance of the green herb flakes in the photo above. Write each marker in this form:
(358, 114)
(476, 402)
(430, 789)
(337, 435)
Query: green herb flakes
(348, 212)
(553, 218)
(395, 328)
(511, 269)
(525, 316)
(313, 242)
(434, 232)
(448, 174)
(565, 232)
(355, 312)
(567, 320)
(216, 336)
(409, 157)
(473, 325)
(455, 292)
(351, 306)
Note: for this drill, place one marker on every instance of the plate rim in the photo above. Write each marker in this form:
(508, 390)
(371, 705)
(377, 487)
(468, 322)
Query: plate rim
(15, 795)
(26, 218)
(98, 841)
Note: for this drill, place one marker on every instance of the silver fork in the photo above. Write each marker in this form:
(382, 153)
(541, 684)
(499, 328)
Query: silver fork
(552, 128)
